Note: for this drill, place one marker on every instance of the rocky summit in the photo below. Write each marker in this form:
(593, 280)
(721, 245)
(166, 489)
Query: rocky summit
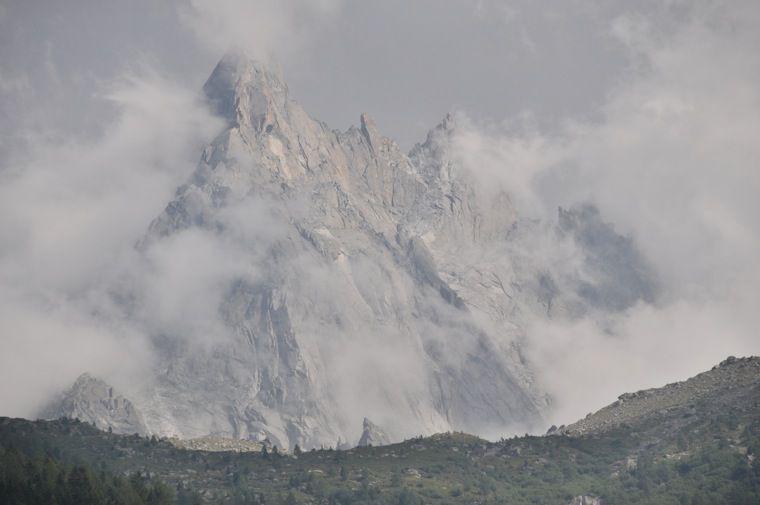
(372, 435)
(91, 399)
(359, 280)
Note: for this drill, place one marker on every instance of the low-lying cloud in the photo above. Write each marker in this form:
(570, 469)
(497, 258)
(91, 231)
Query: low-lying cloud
(70, 215)
(672, 162)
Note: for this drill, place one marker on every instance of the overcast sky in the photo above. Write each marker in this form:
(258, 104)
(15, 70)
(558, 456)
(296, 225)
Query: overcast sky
(407, 63)
(649, 109)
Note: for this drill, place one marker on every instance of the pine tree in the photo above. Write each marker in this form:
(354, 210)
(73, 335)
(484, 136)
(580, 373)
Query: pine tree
(81, 489)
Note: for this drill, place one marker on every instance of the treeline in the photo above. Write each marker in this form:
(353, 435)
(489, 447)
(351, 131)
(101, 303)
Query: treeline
(45, 481)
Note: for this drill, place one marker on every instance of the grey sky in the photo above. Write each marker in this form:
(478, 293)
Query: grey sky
(406, 63)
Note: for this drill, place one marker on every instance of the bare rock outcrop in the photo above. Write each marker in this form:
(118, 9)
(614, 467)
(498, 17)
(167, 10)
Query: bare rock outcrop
(372, 435)
(92, 400)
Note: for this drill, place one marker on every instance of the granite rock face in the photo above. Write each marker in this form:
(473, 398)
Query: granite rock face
(361, 281)
(92, 400)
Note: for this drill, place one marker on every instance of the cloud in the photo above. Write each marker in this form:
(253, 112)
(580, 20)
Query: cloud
(674, 158)
(75, 293)
(672, 161)
(648, 346)
(507, 157)
(70, 214)
(263, 28)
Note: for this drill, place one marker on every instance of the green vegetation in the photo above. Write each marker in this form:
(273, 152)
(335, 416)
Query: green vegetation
(678, 459)
(45, 481)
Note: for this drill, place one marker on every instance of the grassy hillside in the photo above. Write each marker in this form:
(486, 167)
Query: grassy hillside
(692, 452)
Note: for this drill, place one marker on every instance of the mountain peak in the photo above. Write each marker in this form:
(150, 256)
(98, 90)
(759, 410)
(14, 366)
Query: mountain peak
(245, 91)
(241, 67)
(92, 400)
(370, 132)
(449, 122)
(84, 379)
(372, 435)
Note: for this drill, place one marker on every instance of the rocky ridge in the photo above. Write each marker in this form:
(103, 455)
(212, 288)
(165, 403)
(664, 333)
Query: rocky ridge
(732, 379)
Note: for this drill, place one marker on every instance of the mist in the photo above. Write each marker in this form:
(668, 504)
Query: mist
(71, 215)
(671, 162)
(648, 110)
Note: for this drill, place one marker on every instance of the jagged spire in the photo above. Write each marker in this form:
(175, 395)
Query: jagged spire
(372, 435)
(433, 157)
(370, 132)
(246, 92)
